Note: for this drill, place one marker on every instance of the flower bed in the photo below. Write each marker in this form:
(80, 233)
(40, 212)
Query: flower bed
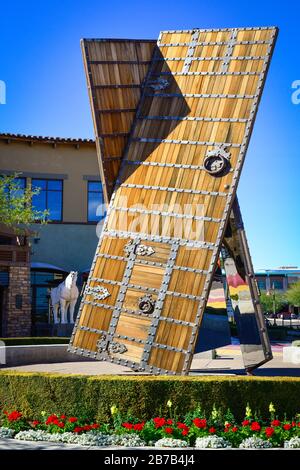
(195, 429)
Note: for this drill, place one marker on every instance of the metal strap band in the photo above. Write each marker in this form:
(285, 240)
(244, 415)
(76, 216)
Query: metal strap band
(229, 50)
(115, 134)
(181, 166)
(188, 118)
(151, 263)
(213, 43)
(216, 30)
(119, 110)
(190, 52)
(159, 303)
(133, 339)
(157, 238)
(119, 361)
(204, 73)
(117, 85)
(183, 142)
(198, 95)
(203, 59)
(175, 190)
(166, 214)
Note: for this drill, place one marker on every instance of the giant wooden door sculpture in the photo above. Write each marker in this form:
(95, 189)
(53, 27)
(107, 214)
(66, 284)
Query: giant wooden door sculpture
(179, 115)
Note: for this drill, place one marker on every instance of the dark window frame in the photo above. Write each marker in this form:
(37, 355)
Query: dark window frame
(88, 191)
(56, 221)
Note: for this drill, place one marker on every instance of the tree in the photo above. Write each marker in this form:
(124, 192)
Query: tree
(16, 210)
(293, 294)
(268, 300)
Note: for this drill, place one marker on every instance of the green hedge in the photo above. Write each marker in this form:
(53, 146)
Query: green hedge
(35, 340)
(143, 396)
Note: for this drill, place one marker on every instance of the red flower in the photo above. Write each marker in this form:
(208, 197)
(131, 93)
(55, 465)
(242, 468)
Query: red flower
(159, 422)
(246, 422)
(14, 416)
(185, 432)
(72, 419)
(275, 422)
(182, 426)
(293, 424)
(87, 427)
(169, 421)
(269, 432)
(200, 423)
(169, 430)
(138, 426)
(61, 425)
(234, 429)
(35, 423)
(127, 425)
(63, 417)
(298, 424)
(52, 419)
(227, 425)
(78, 429)
(255, 426)
(212, 430)
(95, 426)
(287, 427)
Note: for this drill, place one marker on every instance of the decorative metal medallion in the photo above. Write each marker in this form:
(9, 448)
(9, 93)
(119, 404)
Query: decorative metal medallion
(140, 250)
(144, 250)
(116, 348)
(159, 84)
(101, 343)
(216, 161)
(128, 247)
(111, 347)
(98, 292)
(146, 304)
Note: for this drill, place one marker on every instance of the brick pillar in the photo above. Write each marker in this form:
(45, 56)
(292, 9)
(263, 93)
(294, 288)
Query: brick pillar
(18, 319)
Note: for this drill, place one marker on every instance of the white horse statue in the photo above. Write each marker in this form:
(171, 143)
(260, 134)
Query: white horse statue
(65, 295)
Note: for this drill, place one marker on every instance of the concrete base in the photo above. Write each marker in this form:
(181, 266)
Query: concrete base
(37, 354)
(291, 354)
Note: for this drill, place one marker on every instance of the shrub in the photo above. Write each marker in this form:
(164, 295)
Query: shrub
(93, 396)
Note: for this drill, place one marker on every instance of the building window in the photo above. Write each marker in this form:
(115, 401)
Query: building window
(95, 201)
(261, 282)
(276, 283)
(49, 197)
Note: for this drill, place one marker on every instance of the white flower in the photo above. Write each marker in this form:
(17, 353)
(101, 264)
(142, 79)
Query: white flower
(213, 442)
(127, 440)
(169, 442)
(6, 433)
(293, 443)
(255, 443)
(169, 404)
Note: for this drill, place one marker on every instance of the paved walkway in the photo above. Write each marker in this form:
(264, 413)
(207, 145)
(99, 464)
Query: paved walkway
(228, 362)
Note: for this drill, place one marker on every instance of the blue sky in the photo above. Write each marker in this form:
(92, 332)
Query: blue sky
(46, 92)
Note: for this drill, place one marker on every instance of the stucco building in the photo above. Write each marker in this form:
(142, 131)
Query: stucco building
(66, 171)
